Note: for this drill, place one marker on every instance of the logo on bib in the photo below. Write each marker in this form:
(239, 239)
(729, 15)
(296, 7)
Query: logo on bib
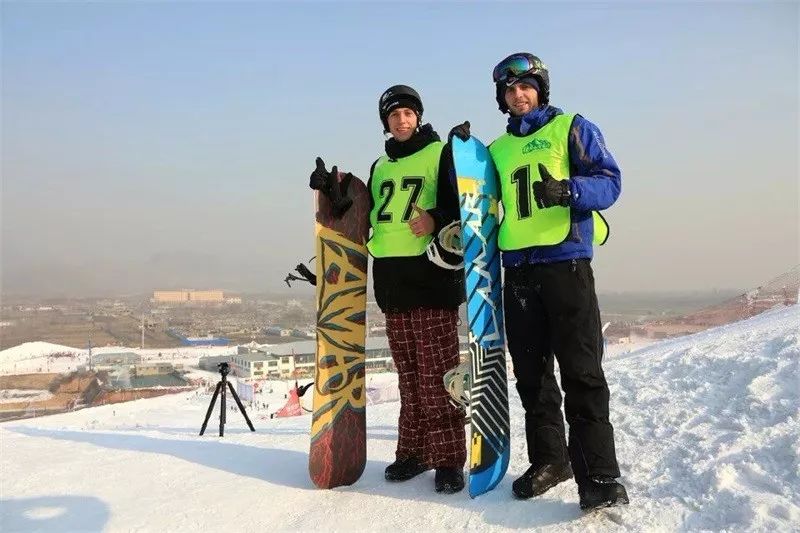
(536, 144)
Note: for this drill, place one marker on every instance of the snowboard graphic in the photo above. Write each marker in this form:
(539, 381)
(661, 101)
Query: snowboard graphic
(338, 426)
(489, 420)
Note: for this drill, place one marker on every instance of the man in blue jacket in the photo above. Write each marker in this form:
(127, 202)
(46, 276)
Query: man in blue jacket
(555, 174)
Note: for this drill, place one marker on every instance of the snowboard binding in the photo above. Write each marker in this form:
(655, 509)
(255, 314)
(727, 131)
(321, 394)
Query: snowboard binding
(457, 382)
(445, 251)
(305, 275)
(450, 238)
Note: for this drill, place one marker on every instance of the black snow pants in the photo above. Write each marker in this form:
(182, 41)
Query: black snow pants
(551, 311)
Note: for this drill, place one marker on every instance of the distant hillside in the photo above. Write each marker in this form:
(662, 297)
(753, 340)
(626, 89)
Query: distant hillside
(781, 290)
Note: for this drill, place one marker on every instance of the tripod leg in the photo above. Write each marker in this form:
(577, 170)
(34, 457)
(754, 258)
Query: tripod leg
(210, 408)
(222, 411)
(241, 407)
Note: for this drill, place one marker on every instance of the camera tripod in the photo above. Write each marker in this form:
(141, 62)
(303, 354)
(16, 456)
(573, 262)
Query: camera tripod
(223, 370)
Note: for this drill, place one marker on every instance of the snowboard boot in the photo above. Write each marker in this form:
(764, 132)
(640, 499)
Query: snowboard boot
(405, 469)
(601, 491)
(539, 479)
(449, 479)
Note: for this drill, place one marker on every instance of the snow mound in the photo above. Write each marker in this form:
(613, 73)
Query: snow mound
(33, 350)
(711, 423)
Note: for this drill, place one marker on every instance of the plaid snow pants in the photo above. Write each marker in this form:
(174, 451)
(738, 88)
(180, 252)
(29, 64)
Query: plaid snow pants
(424, 345)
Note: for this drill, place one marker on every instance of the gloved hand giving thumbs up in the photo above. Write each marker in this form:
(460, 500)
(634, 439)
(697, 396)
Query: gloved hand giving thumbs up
(550, 192)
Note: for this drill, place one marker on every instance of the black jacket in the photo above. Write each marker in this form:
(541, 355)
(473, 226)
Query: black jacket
(405, 283)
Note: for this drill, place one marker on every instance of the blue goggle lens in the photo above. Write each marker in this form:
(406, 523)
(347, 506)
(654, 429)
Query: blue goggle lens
(512, 67)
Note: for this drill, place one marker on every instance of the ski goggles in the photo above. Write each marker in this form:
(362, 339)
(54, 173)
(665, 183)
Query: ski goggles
(514, 67)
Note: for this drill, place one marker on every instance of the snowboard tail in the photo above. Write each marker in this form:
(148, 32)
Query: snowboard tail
(489, 420)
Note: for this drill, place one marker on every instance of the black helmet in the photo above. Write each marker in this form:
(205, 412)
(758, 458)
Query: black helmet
(398, 96)
(517, 67)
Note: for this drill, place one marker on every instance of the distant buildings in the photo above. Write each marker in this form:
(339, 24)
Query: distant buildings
(191, 296)
(208, 340)
(298, 359)
(107, 360)
(126, 370)
(211, 362)
(257, 365)
(277, 331)
(154, 369)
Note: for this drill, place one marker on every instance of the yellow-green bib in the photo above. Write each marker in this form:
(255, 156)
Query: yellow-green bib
(396, 186)
(517, 160)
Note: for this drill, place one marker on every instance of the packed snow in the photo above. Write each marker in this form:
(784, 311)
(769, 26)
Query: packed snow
(27, 395)
(33, 357)
(707, 429)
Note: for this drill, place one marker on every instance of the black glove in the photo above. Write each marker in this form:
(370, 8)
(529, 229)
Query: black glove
(550, 192)
(319, 179)
(328, 184)
(461, 131)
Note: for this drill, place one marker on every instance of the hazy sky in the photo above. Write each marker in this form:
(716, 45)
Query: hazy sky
(149, 144)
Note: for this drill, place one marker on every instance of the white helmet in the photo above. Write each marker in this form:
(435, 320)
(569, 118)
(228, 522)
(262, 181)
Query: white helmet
(445, 249)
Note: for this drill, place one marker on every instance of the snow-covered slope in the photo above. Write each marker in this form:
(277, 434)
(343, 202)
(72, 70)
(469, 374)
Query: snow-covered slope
(47, 357)
(706, 428)
(709, 425)
(29, 350)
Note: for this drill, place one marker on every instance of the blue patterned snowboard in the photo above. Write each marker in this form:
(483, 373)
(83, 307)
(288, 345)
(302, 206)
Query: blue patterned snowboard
(490, 433)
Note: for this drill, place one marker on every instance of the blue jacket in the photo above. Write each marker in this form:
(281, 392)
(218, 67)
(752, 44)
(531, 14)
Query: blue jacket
(595, 184)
